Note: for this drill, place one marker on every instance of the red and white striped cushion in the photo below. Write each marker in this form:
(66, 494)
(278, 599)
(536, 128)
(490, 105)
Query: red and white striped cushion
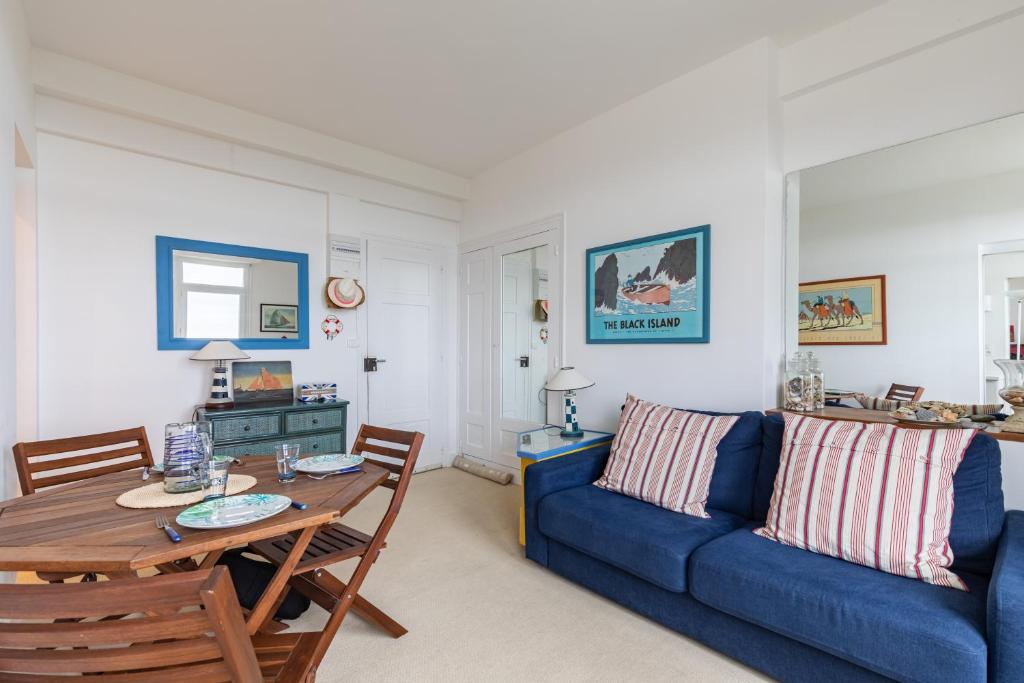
(664, 456)
(875, 403)
(873, 494)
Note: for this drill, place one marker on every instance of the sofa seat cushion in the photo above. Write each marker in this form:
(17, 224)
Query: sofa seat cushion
(899, 627)
(645, 540)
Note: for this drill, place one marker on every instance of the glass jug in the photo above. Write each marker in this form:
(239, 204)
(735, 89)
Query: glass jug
(186, 445)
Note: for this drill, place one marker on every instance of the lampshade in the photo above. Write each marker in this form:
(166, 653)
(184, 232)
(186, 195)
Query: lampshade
(220, 350)
(568, 379)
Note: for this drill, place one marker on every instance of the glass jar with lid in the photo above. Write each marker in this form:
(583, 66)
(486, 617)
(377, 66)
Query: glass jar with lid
(817, 378)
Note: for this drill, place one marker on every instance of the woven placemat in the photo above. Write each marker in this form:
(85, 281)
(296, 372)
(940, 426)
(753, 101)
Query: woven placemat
(154, 496)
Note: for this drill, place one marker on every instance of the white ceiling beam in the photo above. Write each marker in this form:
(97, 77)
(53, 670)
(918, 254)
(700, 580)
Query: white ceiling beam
(87, 83)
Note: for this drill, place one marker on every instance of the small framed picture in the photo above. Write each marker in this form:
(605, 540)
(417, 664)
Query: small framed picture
(279, 318)
(844, 311)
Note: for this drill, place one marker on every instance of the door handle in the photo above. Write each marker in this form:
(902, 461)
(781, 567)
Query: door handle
(370, 364)
(524, 361)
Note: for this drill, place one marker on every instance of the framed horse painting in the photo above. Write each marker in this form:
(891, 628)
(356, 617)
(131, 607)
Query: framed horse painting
(844, 311)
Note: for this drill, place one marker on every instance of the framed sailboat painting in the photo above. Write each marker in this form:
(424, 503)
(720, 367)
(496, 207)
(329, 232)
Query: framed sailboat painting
(652, 290)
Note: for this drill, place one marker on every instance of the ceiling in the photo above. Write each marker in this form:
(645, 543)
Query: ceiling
(458, 85)
(973, 152)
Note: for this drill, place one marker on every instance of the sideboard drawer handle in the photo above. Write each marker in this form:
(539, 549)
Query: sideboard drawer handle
(246, 428)
(316, 446)
(316, 421)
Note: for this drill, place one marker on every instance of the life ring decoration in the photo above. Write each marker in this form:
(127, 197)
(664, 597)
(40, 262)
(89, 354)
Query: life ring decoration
(344, 292)
(331, 326)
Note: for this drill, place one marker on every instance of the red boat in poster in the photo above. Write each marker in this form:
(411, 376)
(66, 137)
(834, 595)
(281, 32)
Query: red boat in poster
(650, 293)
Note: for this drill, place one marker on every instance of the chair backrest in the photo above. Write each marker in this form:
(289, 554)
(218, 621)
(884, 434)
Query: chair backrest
(38, 462)
(400, 448)
(161, 634)
(904, 392)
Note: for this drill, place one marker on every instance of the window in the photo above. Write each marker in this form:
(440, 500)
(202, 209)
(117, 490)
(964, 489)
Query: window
(213, 297)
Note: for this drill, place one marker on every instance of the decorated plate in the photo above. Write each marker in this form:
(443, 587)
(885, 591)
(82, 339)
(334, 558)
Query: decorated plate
(328, 462)
(224, 513)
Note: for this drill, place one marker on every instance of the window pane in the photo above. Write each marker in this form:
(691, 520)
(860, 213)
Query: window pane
(206, 274)
(212, 316)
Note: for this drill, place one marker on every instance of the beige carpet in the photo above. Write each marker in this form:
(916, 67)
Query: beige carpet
(477, 610)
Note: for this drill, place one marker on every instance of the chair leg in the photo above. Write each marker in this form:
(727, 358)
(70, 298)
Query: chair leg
(361, 606)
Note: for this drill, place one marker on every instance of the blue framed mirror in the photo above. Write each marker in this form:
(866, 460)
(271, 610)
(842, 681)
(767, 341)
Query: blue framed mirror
(257, 298)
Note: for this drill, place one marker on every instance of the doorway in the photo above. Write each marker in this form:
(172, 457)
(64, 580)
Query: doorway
(1002, 282)
(510, 339)
(405, 378)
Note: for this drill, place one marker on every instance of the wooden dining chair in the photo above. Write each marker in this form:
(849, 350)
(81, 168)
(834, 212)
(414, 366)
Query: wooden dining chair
(42, 464)
(92, 455)
(904, 392)
(179, 627)
(336, 542)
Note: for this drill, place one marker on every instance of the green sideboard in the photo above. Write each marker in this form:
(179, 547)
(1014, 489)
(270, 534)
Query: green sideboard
(255, 429)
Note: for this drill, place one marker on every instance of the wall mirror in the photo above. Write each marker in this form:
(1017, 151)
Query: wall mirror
(906, 265)
(258, 298)
(524, 334)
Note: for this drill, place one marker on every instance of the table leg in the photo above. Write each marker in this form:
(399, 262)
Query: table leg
(263, 611)
(523, 464)
(211, 559)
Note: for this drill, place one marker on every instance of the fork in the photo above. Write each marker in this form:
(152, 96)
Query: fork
(331, 474)
(161, 523)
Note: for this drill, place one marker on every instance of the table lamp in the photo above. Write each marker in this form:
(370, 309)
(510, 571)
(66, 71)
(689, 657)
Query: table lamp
(219, 351)
(569, 379)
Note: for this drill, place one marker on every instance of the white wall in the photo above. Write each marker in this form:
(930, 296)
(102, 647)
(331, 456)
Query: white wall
(16, 113)
(99, 210)
(926, 244)
(700, 149)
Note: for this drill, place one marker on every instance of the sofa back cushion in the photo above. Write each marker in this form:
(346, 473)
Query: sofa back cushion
(977, 496)
(736, 468)
(664, 456)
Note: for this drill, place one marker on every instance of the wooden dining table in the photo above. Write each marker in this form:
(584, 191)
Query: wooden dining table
(80, 528)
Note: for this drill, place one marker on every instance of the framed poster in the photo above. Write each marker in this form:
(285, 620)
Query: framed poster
(843, 311)
(652, 290)
(279, 318)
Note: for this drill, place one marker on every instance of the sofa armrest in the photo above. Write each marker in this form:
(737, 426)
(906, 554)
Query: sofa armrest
(1006, 603)
(549, 476)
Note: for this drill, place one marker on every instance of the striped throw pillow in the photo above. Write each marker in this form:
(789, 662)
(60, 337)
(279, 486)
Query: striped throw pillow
(665, 456)
(875, 403)
(873, 494)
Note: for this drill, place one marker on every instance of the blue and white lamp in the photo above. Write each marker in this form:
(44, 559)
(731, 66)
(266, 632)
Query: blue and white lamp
(219, 351)
(569, 379)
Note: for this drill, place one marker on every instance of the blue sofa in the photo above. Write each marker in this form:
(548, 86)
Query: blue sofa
(792, 614)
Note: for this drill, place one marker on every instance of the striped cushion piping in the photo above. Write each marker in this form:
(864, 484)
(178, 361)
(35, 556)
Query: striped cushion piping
(873, 494)
(665, 456)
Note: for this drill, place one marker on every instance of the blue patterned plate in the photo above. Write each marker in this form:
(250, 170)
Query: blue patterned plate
(224, 513)
(327, 463)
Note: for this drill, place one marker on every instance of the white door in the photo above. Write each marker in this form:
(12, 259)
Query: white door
(526, 282)
(404, 334)
(475, 353)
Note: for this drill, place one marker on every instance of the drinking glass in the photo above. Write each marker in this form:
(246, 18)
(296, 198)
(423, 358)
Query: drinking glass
(287, 455)
(213, 477)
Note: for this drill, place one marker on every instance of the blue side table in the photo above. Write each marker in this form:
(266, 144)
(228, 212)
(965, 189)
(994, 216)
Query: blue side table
(548, 442)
